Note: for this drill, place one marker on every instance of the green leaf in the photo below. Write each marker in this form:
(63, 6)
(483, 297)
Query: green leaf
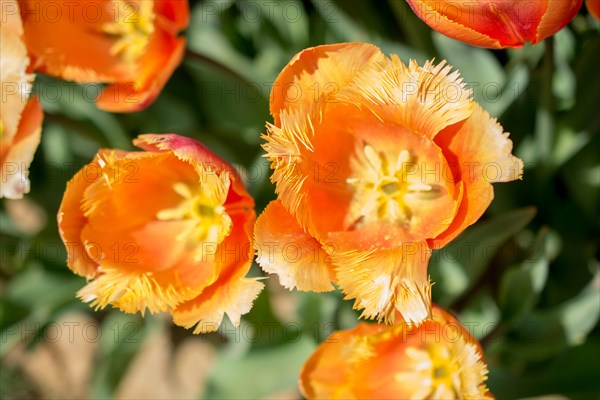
(573, 374)
(457, 266)
(521, 286)
(43, 291)
(481, 315)
(543, 334)
(259, 373)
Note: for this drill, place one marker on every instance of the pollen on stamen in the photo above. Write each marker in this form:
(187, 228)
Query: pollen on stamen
(202, 208)
(132, 27)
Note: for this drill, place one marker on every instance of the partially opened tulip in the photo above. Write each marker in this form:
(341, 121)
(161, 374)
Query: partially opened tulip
(375, 164)
(20, 116)
(166, 229)
(497, 23)
(132, 45)
(438, 360)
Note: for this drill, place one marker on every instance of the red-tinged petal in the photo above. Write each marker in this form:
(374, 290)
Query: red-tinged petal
(432, 13)
(195, 153)
(232, 293)
(285, 249)
(317, 74)
(16, 155)
(185, 148)
(559, 13)
(176, 12)
(480, 152)
(386, 281)
(66, 39)
(163, 55)
(497, 23)
(593, 7)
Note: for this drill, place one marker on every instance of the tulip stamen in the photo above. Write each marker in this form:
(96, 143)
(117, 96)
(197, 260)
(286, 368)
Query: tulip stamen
(441, 367)
(385, 190)
(132, 27)
(203, 208)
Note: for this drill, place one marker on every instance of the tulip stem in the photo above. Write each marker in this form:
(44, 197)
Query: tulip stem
(544, 121)
(202, 59)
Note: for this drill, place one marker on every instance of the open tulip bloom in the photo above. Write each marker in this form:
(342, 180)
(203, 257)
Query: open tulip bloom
(375, 163)
(132, 45)
(165, 229)
(20, 115)
(438, 360)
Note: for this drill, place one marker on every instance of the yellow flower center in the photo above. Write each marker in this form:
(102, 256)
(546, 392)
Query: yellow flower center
(203, 208)
(386, 187)
(445, 371)
(133, 25)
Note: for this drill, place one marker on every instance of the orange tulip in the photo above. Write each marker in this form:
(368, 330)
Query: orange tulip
(438, 360)
(375, 163)
(497, 23)
(132, 45)
(168, 229)
(20, 118)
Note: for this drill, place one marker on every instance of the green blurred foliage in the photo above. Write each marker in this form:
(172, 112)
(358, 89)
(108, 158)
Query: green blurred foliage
(525, 278)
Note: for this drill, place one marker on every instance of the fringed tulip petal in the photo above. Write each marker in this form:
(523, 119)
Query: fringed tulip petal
(366, 176)
(317, 74)
(159, 229)
(437, 360)
(232, 293)
(134, 291)
(423, 99)
(480, 153)
(205, 313)
(385, 282)
(20, 118)
(325, 375)
(285, 249)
